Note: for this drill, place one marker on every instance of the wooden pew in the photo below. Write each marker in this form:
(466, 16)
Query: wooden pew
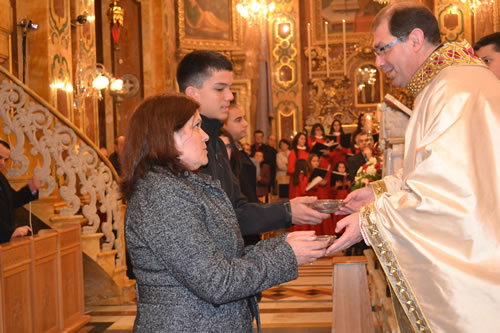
(352, 311)
(41, 283)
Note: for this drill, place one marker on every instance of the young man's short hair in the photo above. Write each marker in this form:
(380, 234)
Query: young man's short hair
(492, 39)
(196, 67)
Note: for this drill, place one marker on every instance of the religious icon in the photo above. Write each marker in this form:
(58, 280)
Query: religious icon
(207, 19)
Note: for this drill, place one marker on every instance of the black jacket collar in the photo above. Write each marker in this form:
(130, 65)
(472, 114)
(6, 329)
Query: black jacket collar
(211, 126)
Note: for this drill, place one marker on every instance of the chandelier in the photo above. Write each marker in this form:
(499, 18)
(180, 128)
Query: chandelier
(480, 5)
(254, 10)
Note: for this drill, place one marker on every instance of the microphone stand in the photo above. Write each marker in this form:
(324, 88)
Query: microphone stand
(25, 37)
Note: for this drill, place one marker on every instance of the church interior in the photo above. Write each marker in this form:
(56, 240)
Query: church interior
(72, 73)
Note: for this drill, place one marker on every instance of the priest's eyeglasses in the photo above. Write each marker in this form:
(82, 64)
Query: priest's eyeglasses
(380, 51)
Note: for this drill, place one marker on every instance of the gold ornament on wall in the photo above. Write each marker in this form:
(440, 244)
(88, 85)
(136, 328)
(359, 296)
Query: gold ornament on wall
(116, 13)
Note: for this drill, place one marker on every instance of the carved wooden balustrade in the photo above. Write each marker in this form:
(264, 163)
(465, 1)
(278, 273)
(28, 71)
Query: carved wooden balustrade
(68, 164)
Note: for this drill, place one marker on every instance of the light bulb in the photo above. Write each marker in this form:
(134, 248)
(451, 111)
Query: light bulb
(100, 82)
(116, 85)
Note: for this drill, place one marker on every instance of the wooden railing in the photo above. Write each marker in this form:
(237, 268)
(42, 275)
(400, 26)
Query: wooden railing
(68, 163)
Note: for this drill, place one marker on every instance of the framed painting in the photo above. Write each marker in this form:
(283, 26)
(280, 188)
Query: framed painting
(208, 24)
(358, 14)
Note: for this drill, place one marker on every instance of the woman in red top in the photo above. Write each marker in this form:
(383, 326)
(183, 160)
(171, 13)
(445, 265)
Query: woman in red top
(342, 185)
(299, 151)
(318, 135)
(341, 189)
(339, 153)
(320, 190)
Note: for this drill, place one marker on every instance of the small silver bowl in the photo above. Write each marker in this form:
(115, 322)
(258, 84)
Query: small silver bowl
(326, 206)
(329, 238)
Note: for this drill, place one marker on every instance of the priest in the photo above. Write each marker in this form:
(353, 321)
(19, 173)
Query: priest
(434, 225)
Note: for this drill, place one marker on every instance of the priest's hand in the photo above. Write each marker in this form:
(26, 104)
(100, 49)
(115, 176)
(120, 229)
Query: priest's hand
(20, 232)
(351, 235)
(305, 247)
(355, 200)
(303, 214)
(34, 184)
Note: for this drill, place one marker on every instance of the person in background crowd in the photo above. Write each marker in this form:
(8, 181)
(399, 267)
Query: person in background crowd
(114, 158)
(264, 177)
(271, 141)
(282, 168)
(244, 167)
(226, 137)
(358, 160)
(320, 190)
(342, 183)
(258, 137)
(11, 199)
(338, 153)
(488, 48)
(247, 149)
(241, 163)
(298, 152)
(355, 148)
(104, 151)
(340, 190)
(268, 151)
(318, 135)
(272, 152)
(193, 271)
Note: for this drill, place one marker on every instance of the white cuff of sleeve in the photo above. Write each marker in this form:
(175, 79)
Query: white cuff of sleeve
(363, 233)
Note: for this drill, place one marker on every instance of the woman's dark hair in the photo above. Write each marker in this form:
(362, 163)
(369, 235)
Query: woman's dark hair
(149, 141)
(284, 141)
(295, 141)
(331, 127)
(358, 130)
(235, 153)
(359, 127)
(309, 160)
(313, 129)
(300, 167)
(339, 163)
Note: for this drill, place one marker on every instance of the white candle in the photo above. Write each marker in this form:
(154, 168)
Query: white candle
(368, 124)
(326, 51)
(345, 51)
(309, 48)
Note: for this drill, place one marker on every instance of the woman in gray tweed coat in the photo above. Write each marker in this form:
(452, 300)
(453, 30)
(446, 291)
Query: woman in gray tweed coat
(193, 272)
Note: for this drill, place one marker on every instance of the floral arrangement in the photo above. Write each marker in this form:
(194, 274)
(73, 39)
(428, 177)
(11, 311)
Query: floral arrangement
(371, 171)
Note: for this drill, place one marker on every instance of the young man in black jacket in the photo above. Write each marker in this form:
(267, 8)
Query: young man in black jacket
(207, 76)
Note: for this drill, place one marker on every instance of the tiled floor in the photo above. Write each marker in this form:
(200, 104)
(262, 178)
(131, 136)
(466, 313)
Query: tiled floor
(303, 305)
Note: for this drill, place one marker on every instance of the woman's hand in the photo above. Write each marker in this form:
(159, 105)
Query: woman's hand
(305, 247)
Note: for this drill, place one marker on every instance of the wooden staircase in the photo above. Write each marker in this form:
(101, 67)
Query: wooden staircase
(105, 282)
(79, 186)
